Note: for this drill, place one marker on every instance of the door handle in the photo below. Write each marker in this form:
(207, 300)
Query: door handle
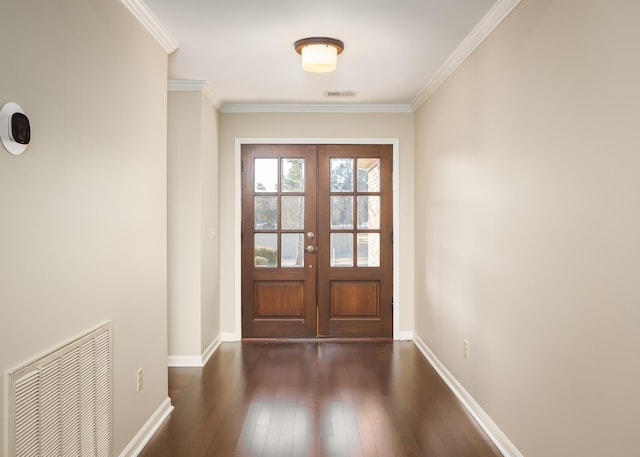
(310, 248)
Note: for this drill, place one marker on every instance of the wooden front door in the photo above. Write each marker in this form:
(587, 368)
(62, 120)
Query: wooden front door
(317, 241)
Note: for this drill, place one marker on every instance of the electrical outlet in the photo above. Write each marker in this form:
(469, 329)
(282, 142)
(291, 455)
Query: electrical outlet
(466, 349)
(139, 379)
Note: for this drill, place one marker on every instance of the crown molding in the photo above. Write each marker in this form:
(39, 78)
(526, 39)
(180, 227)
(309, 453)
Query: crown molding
(212, 96)
(190, 85)
(285, 108)
(481, 31)
(144, 15)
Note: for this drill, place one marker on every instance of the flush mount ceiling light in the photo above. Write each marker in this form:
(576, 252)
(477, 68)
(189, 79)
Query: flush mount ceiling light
(319, 54)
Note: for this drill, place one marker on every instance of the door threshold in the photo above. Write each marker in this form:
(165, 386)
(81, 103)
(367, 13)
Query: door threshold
(319, 339)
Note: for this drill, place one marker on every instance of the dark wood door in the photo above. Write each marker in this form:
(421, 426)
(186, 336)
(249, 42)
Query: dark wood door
(317, 241)
(355, 245)
(278, 210)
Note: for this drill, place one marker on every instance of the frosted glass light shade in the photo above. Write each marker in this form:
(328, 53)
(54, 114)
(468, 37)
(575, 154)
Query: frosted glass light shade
(319, 54)
(319, 58)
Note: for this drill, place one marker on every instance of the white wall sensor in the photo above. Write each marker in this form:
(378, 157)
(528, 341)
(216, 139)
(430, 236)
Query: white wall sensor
(15, 130)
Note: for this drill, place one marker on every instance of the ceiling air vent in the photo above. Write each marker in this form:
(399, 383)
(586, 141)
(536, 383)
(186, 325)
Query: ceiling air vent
(339, 93)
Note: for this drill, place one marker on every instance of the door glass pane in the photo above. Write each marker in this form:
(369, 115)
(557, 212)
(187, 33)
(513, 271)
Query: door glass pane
(342, 213)
(292, 250)
(368, 175)
(266, 213)
(266, 175)
(368, 249)
(292, 175)
(341, 175)
(292, 213)
(368, 212)
(341, 250)
(266, 250)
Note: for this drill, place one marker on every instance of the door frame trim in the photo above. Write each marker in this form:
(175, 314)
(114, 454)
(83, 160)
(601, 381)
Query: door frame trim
(394, 142)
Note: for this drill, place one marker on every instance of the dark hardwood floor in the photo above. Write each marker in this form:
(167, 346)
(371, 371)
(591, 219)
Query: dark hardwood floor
(316, 399)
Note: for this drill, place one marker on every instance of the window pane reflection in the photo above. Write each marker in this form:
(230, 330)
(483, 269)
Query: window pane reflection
(292, 213)
(266, 175)
(341, 250)
(368, 249)
(368, 212)
(266, 250)
(266, 213)
(292, 250)
(368, 175)
(341, 175)
(292, 175)
(342, 213)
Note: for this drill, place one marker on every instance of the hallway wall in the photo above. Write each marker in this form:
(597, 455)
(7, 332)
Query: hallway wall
(305, 125)
(527, 222)
(83, 222)
(193, 260)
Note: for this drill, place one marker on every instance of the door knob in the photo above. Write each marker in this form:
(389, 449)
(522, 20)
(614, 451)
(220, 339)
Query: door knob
(310, 235)
(310, 248)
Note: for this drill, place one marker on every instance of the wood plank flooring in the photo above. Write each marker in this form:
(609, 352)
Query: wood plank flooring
(316, 399)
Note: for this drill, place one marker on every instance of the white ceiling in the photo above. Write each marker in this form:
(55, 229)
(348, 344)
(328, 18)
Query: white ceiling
(244, 48)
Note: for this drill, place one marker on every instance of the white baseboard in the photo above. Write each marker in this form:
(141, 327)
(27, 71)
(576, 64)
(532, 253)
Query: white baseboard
(504, 445)
(184, 361)
(195, 360)
(211, 349)
(229, 337)
(143, 436)
(404, 336)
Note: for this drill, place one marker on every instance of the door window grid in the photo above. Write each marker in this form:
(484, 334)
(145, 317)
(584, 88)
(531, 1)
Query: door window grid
(279, 215)
(366, 212)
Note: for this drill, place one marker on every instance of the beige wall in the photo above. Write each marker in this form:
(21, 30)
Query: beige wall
(192, 224)
(183, 229)
(210, 225)
(82, 231)
(317, 126)
(527, 223)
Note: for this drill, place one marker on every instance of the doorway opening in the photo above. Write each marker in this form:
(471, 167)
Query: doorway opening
(317, 240)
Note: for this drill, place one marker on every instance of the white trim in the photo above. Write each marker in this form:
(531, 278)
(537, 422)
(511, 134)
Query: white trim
(274, 108)
(405, 335)
(504, 445)
(137, 444)
(5, 414)
(481, 31)
(184, 361)
(237, 231)
(395, 186)
(394, 142)
(144, 15)
(195, 360)
(188, 85)
(212, 96)
(211, 349)
(230, 337)
(194, 85)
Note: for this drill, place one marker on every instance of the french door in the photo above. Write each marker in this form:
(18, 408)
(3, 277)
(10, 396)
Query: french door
(317, 242)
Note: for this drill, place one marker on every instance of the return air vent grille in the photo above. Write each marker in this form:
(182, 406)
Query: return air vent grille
(60, 404)
(339, 93)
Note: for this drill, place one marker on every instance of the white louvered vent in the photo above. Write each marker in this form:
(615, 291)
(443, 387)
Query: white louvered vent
(60, 404)
(339, 93)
